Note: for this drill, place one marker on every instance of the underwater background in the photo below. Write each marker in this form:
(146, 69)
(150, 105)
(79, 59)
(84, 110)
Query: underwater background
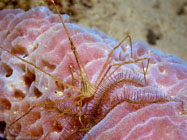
(162, 24)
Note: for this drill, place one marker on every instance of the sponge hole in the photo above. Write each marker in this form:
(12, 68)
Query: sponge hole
(33, 117)
(16, 129)
(51, 67)
(29, 77)
(58, 127)
(2, 126)
(19, 94)
(37, 92)
(36, 132)
(162, 69)
(19, 50)
(6, 70)
(5, 104)
(141, 51)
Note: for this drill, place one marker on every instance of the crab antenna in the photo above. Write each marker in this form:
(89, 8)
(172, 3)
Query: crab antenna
(71, 42)
(38, 68)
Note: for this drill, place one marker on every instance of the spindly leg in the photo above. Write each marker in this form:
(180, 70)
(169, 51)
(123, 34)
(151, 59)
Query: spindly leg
(176, 99)
(80, 113)
(105, 77)
(183, 108)
(31, 108)
(130, 62)
(38, 68)
(73, 48)
(110, 54)
(74, 80)
(108, 61)
(81, 129)
(58, 117)
(74, 132)
(87, 89)
(145, 70)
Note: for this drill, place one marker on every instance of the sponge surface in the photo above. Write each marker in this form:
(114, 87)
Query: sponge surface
(38, 37)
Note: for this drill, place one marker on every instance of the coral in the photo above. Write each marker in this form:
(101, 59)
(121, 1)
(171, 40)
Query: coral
(123, 106)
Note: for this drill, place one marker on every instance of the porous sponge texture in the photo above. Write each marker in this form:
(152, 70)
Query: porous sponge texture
(28, 35)
(38, 37)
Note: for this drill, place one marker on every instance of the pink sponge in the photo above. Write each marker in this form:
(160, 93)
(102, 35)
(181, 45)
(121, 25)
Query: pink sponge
(38, 37)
